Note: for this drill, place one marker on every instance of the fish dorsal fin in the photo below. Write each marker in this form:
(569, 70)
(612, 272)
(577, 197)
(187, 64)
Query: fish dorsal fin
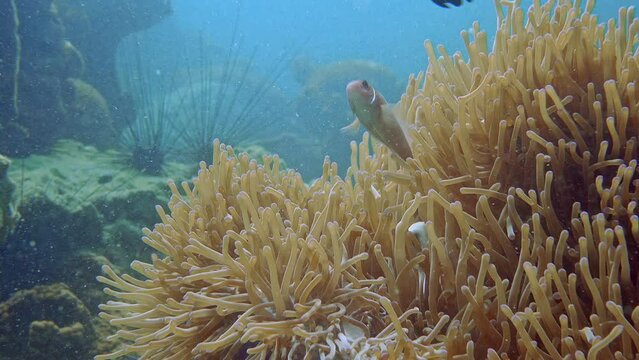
(381, 100)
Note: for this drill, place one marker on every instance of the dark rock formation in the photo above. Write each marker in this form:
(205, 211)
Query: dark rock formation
(44, 243)
(32, 47)
(46, 322)
(8, 213)
(77, 202)
(87, 112)
(44, 43)
(96, 28)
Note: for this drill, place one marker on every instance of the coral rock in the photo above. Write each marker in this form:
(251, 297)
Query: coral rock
(87, 115)
(49, 321)
(8, 212)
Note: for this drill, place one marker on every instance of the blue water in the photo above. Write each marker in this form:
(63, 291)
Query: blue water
(388, 32)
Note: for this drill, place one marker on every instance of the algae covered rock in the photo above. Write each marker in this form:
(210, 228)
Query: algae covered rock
(79, 201)
(79, 275)
(8, 212)
(42, 247)
(43, 43)
(46, 322)
(74, 63)
(39, 104)
(121, 242)
(30, 93)
(46, 336)
(88, 118)
(96, 28)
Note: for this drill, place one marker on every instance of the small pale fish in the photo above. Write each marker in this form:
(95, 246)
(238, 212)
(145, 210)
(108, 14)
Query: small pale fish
(380, 118)
(419, 230)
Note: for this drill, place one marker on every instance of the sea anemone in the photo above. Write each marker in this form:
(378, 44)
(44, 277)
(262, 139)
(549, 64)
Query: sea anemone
(512, 233)
(251, 255)
(527, 157)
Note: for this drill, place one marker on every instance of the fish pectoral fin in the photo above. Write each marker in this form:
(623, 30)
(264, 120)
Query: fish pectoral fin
(352, 128)
(392, 113)
(396, 110)
(398, 116)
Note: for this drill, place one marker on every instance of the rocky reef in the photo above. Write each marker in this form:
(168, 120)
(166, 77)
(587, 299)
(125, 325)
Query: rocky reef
(86, 111)
(78, 201)
(32, 44)
(46, 322)
(96, 28)
(57, 72)
(8, 212)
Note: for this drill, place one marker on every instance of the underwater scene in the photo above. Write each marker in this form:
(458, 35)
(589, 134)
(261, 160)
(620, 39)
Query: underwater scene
(347, 179)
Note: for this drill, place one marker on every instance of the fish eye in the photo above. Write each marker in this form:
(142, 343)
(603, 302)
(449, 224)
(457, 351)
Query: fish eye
(365, 84)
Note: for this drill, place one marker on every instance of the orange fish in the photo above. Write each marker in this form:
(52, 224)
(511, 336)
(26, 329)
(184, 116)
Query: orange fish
(380, 118)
